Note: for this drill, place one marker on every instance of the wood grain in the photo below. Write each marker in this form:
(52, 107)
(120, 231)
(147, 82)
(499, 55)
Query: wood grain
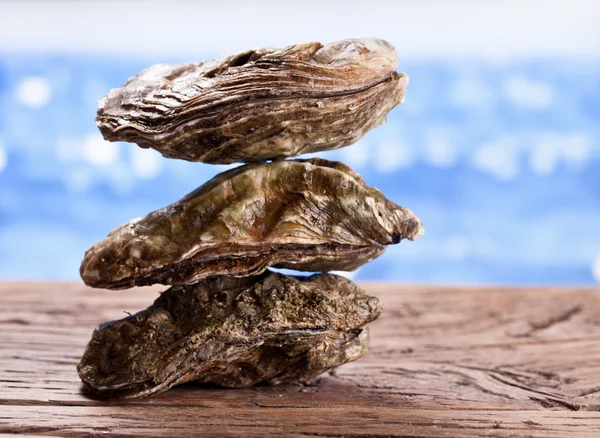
(444, 362)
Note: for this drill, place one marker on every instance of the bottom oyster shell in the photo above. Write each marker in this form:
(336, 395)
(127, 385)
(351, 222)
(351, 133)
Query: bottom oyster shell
(234, 332)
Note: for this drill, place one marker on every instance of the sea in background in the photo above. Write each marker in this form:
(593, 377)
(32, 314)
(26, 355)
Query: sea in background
(501, 161)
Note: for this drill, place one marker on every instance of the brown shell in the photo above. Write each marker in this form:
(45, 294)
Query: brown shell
(311, 215)
(234, 332)
(258, 105)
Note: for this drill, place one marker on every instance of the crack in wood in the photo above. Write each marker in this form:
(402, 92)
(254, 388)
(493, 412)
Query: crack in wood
(552, 402)
(590, 391)
(361, 435)
(549, 321)
(260, 405)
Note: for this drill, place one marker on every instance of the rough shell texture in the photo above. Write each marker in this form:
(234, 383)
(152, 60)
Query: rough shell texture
(313, 215)
(234, 332)
(258, 105)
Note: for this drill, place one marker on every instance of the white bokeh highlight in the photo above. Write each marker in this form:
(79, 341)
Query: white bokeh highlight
(577, 149)
(596, 268)
(439, 151)
(390, 156)
(549, 150)
(146, 163)
(350, 275)
(99, 152)
(34, 92)
(78, 180)
(357, 155)
(3, 159)
(543, 159)
(68, 150)
(525, 92)
(499, 158)
(471, 92)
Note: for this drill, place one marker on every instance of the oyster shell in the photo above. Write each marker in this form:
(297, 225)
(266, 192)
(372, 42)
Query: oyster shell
(312, 215)
(234, 332)
(258, 105)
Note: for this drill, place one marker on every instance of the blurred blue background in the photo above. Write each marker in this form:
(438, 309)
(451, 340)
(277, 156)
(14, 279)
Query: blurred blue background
(497, 147)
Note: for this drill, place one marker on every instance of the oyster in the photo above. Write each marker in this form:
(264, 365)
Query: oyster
(234, 332)
(258, 105)
(312, 215)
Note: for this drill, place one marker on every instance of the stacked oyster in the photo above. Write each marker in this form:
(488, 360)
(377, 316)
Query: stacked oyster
(227, 319)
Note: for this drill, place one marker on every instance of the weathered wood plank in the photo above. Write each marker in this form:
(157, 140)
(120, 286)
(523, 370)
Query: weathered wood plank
(444, 361)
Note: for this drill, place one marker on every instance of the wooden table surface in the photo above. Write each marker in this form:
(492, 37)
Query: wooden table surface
(444, 361)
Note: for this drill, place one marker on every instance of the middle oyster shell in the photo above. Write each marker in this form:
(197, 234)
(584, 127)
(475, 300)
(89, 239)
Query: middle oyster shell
(311, 215)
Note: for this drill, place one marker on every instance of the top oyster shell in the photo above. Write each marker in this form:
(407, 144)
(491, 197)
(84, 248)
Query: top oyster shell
(258, 105)
(312, 215)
